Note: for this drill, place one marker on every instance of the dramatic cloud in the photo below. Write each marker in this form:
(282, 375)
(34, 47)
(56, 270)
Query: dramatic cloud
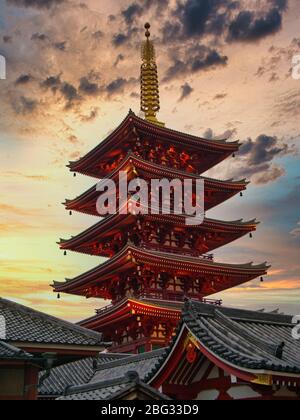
(7, 39)
(61, 46)
(256, 159)
(186, 91)
(70, 94)
(52, 82)
(196, 58)
(124, 37)
(40, 4)
(228, 18)
(25, 105)
(270, 175)
(133, 11)
(248, 27)
(88, 88)
(116, 86)
(39, 37)
(23, 79)
(264, 149)
(228, 134)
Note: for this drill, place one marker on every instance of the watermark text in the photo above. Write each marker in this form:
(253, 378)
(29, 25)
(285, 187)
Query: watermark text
(157, 196)
(2, 67)
(2, 328)
(296, 67)
(296, 329)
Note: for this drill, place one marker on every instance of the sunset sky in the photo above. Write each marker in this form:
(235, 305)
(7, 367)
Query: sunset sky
(72, 75)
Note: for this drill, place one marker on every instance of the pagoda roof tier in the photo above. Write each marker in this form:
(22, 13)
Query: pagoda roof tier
(127, 308)
(105, 237)
(96, 282)
(134, 130)
(216, 191)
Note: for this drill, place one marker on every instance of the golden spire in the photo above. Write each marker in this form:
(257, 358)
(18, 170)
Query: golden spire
(149, 81)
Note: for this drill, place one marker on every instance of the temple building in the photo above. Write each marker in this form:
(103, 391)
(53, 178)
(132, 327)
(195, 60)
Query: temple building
(155, 261)
(32, 342)
(217, 353)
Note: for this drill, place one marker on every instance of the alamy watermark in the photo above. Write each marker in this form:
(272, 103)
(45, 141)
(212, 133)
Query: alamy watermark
(159, 196)
(2, 328)
(296, 329)
(2, 67)
(296, 67)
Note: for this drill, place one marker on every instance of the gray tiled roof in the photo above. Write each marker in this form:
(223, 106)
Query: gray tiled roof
(112, 389)
(10, 352)
(141, 363)
(29, 326)
(245, 339)
(74, 373)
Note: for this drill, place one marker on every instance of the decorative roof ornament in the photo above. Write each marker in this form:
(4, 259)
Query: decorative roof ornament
(150, 103)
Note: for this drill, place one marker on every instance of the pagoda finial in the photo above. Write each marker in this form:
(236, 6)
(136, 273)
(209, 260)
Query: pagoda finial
(150, 104)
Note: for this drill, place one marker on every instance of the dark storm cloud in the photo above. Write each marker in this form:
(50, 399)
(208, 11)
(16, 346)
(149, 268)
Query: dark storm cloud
(248, 27)
(280, 4)
(199, 16)
(210, 135)
(141, 7)
(39, 4)
(25, 105)
(264, 149)
(7, 39)
(119, 85)
(88, 88)
(257, 159)
(116, 86)
(207, 59)
(61, 46)
(133, 11)
(70, 94)
(227, 18)
(186, 91)
(124, 37)
(52, 82)
(120, 39)
(39, 37)
(197, 58)
(23, 79)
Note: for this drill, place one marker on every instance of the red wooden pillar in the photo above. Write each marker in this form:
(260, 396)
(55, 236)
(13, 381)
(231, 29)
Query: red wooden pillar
(31, 378)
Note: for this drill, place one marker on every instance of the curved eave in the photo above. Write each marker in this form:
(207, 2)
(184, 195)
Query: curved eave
(131, 256)
(167, 363)
(253, 364)
(126, 309)
(131, 120)
(116, 222)
(132, 162)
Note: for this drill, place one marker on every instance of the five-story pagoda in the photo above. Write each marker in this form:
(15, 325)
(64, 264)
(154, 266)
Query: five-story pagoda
(155, 260)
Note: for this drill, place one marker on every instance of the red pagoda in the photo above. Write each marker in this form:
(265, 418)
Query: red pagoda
(155, 261)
